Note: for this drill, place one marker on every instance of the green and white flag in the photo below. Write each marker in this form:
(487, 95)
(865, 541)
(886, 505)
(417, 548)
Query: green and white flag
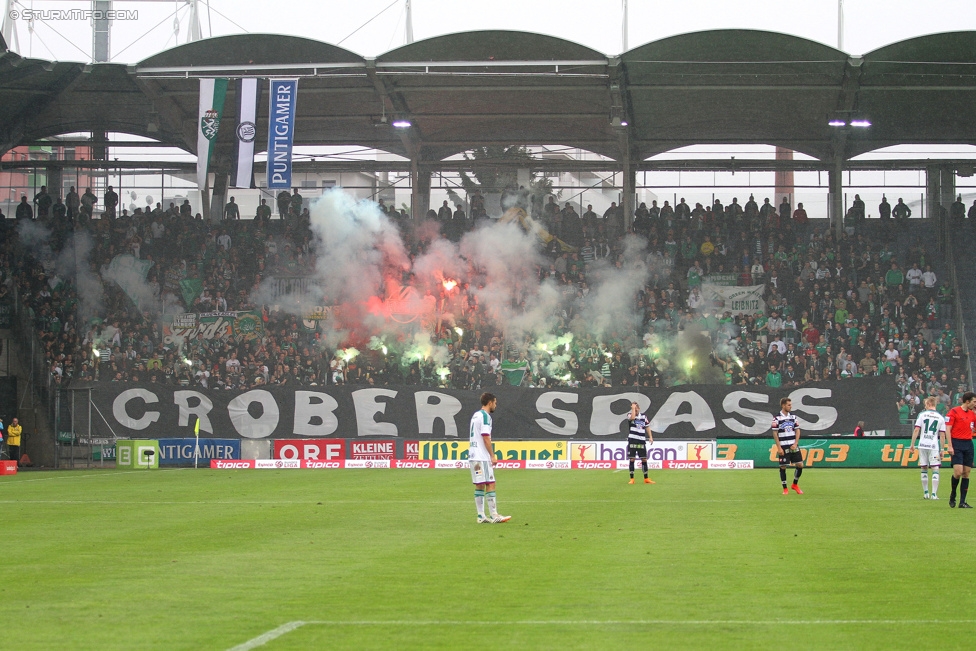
(212, 94)
(514, 372)
(130, 273)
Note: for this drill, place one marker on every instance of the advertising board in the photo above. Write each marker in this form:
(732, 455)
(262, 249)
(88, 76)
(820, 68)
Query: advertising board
(504, 450)
(181, 452)
(320, 449)
(829, 453)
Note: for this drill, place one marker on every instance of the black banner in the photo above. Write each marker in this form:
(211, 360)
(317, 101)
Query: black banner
(693, 411)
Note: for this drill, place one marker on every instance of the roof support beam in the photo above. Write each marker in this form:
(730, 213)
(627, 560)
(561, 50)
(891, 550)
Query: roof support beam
(173, 117)
(622, 119)
(370, 166)
(411, 137)
(11, 134)
(846, 105)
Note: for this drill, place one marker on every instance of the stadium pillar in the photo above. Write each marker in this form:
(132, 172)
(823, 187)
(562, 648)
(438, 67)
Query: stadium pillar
(835, 181)
(55, 184)
(940, 190)
(630, 192)
(205, 199)
(419, 189)
(219, 195)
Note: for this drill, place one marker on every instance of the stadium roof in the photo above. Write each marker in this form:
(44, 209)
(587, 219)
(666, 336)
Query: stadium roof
(502, 87)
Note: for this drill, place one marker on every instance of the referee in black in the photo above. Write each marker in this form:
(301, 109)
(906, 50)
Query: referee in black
(786, 435)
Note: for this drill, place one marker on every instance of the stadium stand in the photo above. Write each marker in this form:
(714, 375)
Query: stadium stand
(876, 300)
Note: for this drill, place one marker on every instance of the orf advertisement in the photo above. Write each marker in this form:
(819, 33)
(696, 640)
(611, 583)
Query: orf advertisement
(306, 449)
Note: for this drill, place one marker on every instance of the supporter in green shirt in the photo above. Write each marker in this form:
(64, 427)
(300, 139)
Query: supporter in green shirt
(904, 412)
(894, 276)
(774, 379)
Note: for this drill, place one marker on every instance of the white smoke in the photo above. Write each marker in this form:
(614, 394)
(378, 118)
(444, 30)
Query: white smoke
(73, 262)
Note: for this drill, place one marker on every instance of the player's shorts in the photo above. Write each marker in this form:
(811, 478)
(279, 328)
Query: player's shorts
(962, 452)
(929, 457)
(790, 457)
(636, 448)
(482, 472)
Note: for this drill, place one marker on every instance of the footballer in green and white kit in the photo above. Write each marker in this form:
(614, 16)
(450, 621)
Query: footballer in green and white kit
(481, 459)
(930, 430)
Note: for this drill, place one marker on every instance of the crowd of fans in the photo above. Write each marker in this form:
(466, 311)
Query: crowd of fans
(865, 303)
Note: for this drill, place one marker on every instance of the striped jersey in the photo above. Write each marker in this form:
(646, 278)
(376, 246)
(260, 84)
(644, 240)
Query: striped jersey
(480, 426)
(785, 426)
(929, 423)
(638, 428)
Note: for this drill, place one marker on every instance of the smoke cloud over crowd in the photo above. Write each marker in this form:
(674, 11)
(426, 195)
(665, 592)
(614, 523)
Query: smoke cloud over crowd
(410, 291)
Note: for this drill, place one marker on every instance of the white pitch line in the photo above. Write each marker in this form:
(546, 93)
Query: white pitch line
(325, 501)
(291, 626)
(638, 622)
(264, 638)
(96, 473)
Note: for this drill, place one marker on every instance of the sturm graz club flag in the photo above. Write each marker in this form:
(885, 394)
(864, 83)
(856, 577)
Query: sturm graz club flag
(212, 94)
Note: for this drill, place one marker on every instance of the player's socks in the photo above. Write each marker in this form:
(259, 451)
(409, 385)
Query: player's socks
(644, 467)
(632, 468)
(963, 489)
(935, 483)
(490, 498)
(796, 475)
(782, 477)
(955, 485)
(925, 483)
(479, 502)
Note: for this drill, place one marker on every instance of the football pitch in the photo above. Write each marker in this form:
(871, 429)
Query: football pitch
(350, 559)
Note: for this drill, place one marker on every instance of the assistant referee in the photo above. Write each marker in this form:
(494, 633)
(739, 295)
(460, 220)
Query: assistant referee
(960, 422)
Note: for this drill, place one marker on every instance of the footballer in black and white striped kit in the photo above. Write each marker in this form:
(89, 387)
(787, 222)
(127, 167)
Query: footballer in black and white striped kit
(786, 434)
(638, 437)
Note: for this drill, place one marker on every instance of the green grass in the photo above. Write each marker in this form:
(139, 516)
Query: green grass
(187, 559)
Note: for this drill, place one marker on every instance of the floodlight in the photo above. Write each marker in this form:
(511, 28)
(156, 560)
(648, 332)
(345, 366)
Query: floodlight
(402, 124)
(861, 123)
(837, 123)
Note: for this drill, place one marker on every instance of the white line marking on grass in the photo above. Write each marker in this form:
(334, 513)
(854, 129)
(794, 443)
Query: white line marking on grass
(66, 475)
(325, 501)
(264, 638)
(632, 622)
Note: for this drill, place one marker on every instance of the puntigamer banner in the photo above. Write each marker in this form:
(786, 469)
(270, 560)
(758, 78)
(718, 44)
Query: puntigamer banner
(147, 411)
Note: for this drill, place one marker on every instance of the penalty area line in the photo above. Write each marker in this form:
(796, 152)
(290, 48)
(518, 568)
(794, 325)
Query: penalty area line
(264, 638)
(636, 622)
